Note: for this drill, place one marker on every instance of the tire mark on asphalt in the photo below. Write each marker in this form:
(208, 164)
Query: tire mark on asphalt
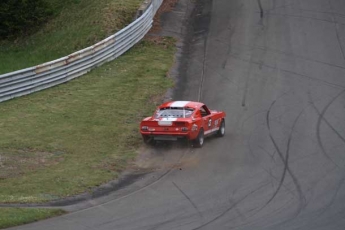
(231, 207)
(279, 7)
(202, 78)
(321, 12)
(203, 70)
(257, 36)
(322, 118)
(250, 146)
(310, 190)
(268, 153)
(340, 184)
(269, 172)
(298, 16)
(261, 9)
(320, 179)
(188, 198)
(239, 213)
(275, 211)
(285, 160)
(250, 62)
(185, 15)
(289, 54)
(302, 199)
(264, 111)
(318, 126)
(336, 29)
(232, 31)
(252, 115)
(289, 71)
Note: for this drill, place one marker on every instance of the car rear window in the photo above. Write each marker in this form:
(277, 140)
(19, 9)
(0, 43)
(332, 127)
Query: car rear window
(174, 112)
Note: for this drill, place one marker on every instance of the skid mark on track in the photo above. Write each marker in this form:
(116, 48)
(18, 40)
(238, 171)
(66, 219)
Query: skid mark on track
(319, 139)
(234, 204)
(318, 126)
(261, 9)
(205, 48)
(289, 72)
(268, 153)
(298, 16)
(232, 32)
(275, 211)
(285, 160)
(187, 197)
(277, 179)
(264, 111)
(289, 54)
(203, 70)
(251, 63)
(340, 184)
(336, 29)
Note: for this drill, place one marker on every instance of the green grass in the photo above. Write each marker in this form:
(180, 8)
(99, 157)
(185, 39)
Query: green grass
(70, 138)
(10, 217)
(77, 25)
(73, 137)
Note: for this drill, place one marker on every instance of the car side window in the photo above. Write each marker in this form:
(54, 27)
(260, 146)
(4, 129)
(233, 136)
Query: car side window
(203, 112)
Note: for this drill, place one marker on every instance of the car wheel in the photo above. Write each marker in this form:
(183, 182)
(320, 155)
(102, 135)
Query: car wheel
(148, 140)
(221, 131)
(199, 141)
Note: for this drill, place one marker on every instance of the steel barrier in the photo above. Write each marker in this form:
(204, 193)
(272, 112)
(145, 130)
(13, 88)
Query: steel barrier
(49, 74)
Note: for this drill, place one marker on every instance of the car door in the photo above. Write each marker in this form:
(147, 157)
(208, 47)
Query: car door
(206, 119)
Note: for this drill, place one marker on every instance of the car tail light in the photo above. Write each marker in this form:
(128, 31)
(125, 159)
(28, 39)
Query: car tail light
(185, 129)
(144, 128)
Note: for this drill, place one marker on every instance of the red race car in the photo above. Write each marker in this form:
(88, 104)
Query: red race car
(176, 120)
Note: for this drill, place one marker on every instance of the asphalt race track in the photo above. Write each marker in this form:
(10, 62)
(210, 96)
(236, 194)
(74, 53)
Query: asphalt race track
(277, 67)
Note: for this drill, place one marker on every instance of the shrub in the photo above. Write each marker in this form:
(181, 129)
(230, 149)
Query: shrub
(21, 17)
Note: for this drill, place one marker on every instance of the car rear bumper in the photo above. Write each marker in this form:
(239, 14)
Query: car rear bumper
(166, 136)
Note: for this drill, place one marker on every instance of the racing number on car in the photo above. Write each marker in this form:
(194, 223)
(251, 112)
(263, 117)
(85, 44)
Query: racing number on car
(216, 123)
(209, 122)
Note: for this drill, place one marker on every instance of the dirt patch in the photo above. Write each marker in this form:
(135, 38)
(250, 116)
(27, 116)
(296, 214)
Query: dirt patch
(15, 162)
(166, 156)
(156, 99)
(167, 6)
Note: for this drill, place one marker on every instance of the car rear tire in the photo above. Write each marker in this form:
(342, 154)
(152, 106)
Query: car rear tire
(148, 140)
(199, 141)
(221, 131)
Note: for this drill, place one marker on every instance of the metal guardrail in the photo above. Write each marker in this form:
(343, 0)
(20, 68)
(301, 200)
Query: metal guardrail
(33, 79)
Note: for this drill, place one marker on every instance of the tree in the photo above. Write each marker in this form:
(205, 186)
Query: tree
(21, 17)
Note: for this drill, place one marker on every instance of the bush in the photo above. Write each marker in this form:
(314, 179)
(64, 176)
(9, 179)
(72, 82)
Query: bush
(21, 17)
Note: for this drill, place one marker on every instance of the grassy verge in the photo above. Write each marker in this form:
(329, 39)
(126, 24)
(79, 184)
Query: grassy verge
(78, 24)
(17, 216)
(67, 139)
